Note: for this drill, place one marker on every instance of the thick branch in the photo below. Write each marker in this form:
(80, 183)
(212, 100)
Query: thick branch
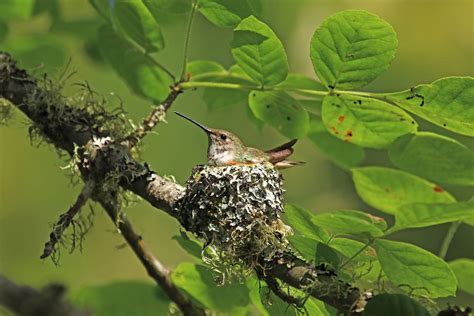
(156, 115)
(164, 194)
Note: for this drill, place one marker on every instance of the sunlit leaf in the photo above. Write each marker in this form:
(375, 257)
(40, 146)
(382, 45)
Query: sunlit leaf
(351, 48)
(428, 214)
(464, 271)
(138, 23)
(141, 74)
(344, 154)
(394, 305)
(280, 110)
(301, 221)
(198, 281)
(298, 81)
(123, 299)
(14, 9)
(349, 222)
(407, 264)
(434, 157)
(259, 52)
(217, 98)
(387, 189)
(349, 248)
(447, 102)
(227, 13)
(365, 122)
(197, 69)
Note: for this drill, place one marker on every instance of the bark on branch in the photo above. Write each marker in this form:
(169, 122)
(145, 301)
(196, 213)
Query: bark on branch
(18, 87)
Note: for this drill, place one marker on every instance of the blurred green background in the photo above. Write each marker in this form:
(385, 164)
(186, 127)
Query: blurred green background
(435, 40)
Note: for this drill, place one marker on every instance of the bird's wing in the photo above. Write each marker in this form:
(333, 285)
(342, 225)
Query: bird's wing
(282, 152)
(282, 147)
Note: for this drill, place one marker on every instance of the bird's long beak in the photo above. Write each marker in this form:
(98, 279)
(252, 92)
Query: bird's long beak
(206, 129)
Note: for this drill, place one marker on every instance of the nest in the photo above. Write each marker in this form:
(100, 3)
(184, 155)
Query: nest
(236, 211)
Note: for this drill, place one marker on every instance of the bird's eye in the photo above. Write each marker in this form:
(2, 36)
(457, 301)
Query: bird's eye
(223, 136)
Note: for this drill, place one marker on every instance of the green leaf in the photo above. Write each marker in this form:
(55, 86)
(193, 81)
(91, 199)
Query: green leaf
(428, 214)
(123, 299)
(343, 154)
(197, 281)
(434, 157)
(394, 305)
(349, 248)
(227, 13)
(192, 247)
(406, 264)
(349, 222)
(203, 68)
(14, 9)
(464, 271)
(365, 122)
(351, 48)
(304, 245)
(259, 52)
(216, 98)
(447, 102)
(299, 81)
(326, 255)
(159, 8)
(387, 189)
(138, 23)
(141, 74)
(102, 7)
(280, 110)
(301, 220)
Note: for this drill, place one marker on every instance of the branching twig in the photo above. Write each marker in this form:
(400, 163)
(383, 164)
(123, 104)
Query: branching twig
(66, 218)
(156, 115)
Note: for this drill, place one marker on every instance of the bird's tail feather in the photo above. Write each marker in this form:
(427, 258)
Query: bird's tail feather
(288, 164)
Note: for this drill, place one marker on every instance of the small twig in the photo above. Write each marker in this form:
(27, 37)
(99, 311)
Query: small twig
(447, 239)
(186, 41)
(66, 219)
(153, 266)
(156, 115)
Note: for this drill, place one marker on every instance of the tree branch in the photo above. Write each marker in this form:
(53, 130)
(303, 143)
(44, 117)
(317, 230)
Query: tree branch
(17, 86)
(27, 301)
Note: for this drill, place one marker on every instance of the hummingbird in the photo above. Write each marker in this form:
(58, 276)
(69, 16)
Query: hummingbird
(226, 149)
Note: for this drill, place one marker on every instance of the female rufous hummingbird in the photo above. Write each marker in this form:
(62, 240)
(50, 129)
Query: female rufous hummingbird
(226, 149)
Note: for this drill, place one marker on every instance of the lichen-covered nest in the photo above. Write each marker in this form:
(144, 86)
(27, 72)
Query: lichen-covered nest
(235, 210)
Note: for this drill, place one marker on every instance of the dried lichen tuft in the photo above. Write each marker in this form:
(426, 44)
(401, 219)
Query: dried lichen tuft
(235, 210)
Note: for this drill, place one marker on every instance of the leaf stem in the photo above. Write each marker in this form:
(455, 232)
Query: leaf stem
(448, 238)
(235, 86)
(371, 240)
(188, 35)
